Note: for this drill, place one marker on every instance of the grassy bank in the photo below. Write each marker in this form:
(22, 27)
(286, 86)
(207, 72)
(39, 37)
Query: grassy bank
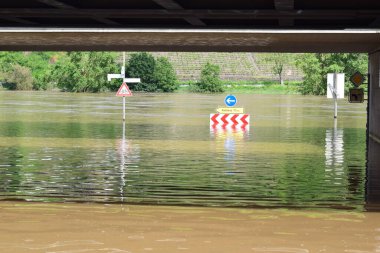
(245, 87)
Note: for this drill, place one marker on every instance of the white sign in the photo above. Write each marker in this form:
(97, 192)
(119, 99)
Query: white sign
(124, 91)
(337, 87)
(122, 76)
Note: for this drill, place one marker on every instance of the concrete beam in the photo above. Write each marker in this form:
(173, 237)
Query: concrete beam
(201, 40)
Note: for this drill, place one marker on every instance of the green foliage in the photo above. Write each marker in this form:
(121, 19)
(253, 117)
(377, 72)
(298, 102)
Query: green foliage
(156, 75)
(317, 66)
(279, 61)
(165, 76)
(19, 78)
(142, 65)
(84, 71)
(313, 79)
(210, 79)
(39, 64)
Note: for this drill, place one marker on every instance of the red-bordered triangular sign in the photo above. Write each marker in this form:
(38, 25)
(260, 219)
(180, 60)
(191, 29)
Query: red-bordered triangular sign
(124, 91)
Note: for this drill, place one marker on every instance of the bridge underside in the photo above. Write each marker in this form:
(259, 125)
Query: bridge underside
(199, 25)
(67, 39)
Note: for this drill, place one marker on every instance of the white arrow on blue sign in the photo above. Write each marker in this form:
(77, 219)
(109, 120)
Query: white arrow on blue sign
(230, 100)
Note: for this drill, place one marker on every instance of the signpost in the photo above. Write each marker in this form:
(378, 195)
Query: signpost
(356, 94)
(230, 118)
(357, 79)
(230, 110)
(230, 100)
(123, 90)
(335, 89)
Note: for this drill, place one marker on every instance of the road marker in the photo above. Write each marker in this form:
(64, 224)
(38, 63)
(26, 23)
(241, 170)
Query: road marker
(230, 110)
(123, 91)
(230, 100)
(229, 120)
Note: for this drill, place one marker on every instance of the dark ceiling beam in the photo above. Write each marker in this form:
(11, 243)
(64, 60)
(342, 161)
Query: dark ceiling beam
(285, 5)
(375, 23)
(172, 5)
(168, 14)
(56, 4)
(61, 5)
(169, 4)
(19, 20)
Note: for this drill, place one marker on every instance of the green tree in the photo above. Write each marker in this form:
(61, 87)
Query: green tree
(279, 61)
(39, 64)
(19, 78)
(142, 65)
(210, 79)
(84, 71)
(165, 76)
(316, 67)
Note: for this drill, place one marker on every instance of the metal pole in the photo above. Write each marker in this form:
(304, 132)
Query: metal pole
(124, 59)
(335, 96)
(124, 97)
(123, 108)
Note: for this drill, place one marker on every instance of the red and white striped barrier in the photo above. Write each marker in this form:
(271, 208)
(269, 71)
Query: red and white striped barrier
(229, 120)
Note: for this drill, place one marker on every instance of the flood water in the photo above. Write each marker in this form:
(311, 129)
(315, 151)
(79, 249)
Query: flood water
(165, 182)
(60, 147)
(95, 228)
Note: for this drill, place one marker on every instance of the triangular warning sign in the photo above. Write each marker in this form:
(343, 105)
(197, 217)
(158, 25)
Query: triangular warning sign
(124, 91)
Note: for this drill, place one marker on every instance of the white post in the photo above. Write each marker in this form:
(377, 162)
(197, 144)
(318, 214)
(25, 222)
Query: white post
(124, 60)
(126, 80)
(335, 90)
(124, 97)
(123, 108)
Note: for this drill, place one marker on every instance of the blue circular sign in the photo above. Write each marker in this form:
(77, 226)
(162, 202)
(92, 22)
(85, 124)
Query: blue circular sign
(230, 100)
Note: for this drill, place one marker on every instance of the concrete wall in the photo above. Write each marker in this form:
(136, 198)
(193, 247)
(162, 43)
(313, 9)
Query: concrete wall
(373, 164)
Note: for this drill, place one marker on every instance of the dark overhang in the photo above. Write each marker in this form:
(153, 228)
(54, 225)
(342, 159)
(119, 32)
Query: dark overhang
(210, 14)
(191, 25)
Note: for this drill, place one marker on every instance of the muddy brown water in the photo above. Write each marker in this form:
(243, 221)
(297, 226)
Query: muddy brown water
(165, 182)
(72, 228)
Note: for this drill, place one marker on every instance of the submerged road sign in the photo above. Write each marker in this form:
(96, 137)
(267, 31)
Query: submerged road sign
(230, 110)
(224, 120)
(124, 91)
(356, 95)
(357, 79)
(230, 100)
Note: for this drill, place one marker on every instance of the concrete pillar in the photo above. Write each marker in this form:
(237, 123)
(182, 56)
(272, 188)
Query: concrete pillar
(373, 128)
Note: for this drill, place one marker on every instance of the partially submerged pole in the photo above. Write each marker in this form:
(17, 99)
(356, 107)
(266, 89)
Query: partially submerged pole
(124, 97)
(335, 91)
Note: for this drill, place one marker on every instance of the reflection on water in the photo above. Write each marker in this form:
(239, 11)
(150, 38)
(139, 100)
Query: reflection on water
(74, 147)
(230, 137)
(334, 154)
(129, 155)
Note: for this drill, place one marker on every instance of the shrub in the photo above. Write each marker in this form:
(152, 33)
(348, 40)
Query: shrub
(19, 78)
(84, 71)
(165, 76)
(142, 65)
(210, 79)
(316, 66)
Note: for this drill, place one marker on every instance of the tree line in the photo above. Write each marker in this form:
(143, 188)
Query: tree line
(87, 71)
